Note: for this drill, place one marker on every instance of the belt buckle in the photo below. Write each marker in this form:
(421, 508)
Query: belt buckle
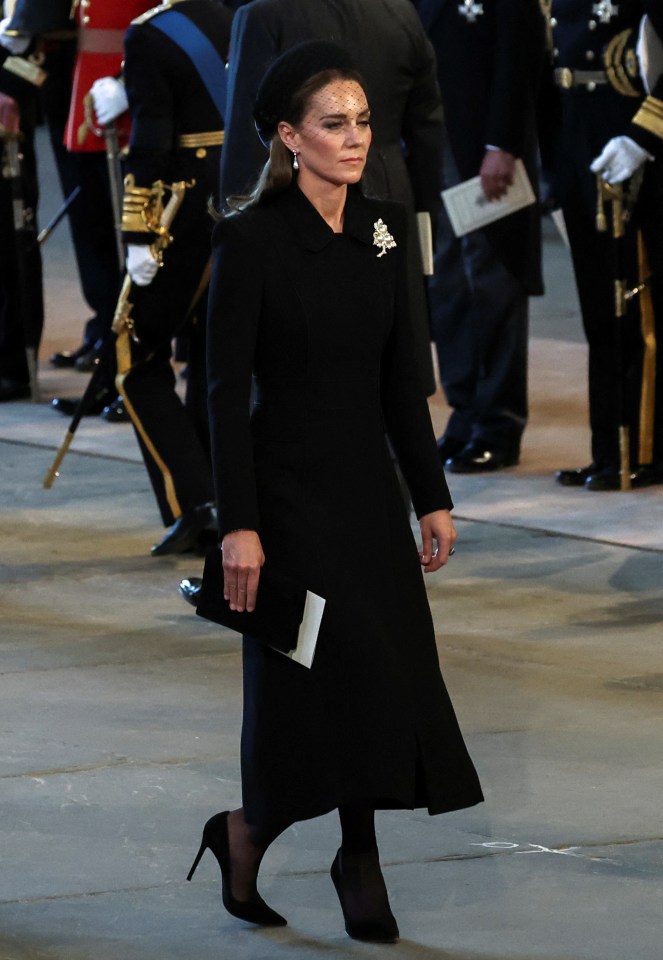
(566, 78)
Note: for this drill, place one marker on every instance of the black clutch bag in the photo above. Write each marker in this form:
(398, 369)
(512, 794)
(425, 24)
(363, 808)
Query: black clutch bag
(278, 612)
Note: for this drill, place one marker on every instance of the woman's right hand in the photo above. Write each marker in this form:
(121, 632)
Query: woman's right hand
(242, 559)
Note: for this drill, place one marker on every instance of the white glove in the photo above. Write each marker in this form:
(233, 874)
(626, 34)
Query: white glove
(110, 99)
(619, 160)
(13, 44)
(141, 265)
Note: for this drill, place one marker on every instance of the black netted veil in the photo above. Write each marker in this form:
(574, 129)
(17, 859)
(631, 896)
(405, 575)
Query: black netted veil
(287, 74)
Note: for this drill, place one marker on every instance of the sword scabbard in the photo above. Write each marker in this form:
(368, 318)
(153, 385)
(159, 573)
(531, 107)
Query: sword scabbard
(52, 472)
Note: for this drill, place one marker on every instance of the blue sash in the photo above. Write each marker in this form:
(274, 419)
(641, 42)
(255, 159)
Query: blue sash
(200, 51)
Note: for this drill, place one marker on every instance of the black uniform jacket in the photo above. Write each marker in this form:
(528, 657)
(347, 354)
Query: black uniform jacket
(581, 37)
(167, 98)
(488, 69)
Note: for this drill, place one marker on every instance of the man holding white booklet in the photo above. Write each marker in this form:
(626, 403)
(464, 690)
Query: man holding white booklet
(489, 56)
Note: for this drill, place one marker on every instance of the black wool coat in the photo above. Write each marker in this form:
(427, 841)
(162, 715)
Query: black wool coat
(321, 320)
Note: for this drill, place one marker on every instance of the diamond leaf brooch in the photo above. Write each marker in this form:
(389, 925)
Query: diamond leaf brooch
(382, 238)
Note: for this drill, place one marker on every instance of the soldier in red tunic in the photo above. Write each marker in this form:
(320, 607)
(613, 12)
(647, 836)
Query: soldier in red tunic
(81, 158)
(101, 28)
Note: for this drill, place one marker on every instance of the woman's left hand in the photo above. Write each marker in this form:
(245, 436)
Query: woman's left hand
(242, 560)
(438, 536)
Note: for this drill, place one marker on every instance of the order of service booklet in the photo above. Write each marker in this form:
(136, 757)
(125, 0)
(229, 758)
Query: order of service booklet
(469, 208)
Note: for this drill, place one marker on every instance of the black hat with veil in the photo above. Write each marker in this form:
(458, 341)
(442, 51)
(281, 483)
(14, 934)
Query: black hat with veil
(288, 73)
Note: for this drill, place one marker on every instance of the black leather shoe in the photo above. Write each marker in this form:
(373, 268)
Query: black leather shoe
(576, 478)
(88, 361)
(67, 405)
(478, 457)
(115, 412)
(190, 589)
(69, 358)
(13, 390)
(448, 446)
(610, 479)
(187, 530)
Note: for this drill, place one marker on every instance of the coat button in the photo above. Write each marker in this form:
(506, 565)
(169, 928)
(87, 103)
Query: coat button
(201, 152)
(591, 86)
(589, 55)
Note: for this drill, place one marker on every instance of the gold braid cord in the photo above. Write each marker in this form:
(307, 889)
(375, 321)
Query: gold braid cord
(621, 64)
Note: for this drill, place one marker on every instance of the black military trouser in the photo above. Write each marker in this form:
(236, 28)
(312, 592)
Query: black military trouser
(19, 306)
(480, 324)
(91, 216)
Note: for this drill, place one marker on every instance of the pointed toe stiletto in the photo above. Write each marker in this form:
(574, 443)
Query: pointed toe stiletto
(378, 926)
(255, 910)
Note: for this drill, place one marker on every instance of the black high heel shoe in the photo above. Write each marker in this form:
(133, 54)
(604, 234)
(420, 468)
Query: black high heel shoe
(255, 910)
(374, 928)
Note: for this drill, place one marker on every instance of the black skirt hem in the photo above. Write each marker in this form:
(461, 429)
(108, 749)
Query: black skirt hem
(460, 802)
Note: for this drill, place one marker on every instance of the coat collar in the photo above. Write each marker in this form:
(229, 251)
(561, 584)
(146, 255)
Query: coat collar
(310, 228)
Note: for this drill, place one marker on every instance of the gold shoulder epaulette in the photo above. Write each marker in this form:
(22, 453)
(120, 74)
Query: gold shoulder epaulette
(154, 11)
(650, 116)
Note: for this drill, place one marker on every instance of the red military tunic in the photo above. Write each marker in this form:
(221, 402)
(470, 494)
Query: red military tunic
(101, 28)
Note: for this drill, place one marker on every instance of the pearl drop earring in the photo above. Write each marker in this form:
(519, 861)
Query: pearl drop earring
(295, 162)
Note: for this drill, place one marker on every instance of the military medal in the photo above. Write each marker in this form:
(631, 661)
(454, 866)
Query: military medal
(605, 10)
(470, 10)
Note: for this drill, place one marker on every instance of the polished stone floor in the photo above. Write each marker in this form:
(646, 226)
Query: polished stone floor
(120, 709)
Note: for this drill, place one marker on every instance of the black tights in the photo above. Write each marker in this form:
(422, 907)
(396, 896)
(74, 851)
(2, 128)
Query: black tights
(359, 854)
(357, 828)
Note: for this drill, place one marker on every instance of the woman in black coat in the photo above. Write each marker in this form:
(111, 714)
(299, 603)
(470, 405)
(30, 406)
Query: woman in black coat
(387, 42)
(309, 296)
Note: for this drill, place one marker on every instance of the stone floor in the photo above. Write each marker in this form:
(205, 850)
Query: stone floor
(120, 709)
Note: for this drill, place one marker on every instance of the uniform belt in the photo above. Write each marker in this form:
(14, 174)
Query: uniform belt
(567, 78)
(94, 40)
(213, 138)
